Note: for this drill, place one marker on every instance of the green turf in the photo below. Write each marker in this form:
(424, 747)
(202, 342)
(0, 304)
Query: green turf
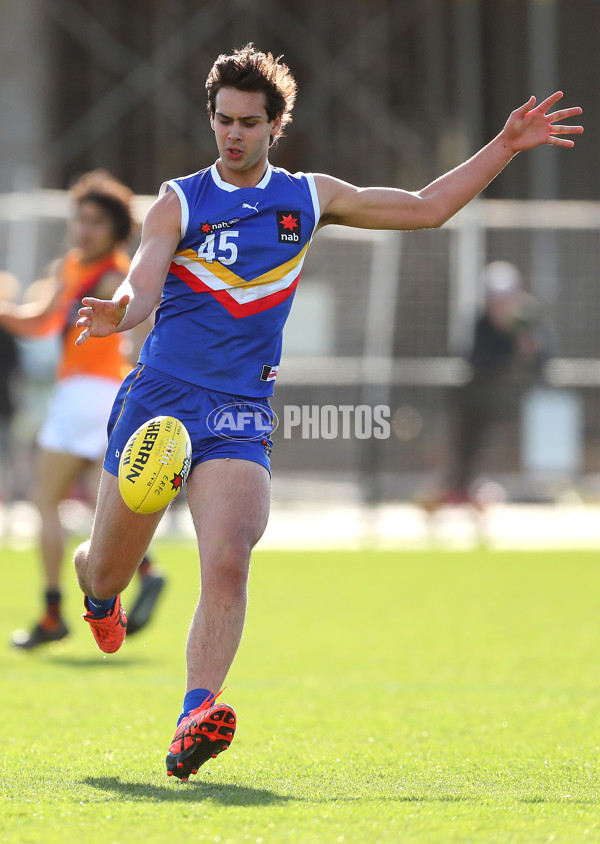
(382, 697)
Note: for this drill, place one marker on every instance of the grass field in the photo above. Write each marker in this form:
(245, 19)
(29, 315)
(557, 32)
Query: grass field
(381, 697)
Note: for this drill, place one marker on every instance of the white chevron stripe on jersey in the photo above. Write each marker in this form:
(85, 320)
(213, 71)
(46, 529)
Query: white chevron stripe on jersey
(244, 291)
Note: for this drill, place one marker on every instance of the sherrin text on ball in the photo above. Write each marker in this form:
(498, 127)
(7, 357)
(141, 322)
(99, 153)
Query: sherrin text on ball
(155, 464)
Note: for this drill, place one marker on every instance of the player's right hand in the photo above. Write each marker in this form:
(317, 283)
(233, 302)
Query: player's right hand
(100, 317)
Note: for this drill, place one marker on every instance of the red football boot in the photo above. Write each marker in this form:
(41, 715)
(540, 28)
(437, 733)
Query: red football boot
(206, 732)
(109, 630)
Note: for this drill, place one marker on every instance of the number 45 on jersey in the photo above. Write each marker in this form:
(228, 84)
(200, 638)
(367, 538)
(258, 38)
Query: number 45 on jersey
(220, 247)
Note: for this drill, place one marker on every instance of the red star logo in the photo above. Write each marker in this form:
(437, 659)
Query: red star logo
(205, 228)
(176, 481)
(289, 222)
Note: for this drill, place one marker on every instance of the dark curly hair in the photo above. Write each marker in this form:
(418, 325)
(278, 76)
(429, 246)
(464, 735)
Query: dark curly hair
(250, 70)
(106, 191)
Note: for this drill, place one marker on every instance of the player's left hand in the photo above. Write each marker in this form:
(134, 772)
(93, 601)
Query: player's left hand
(530, 126)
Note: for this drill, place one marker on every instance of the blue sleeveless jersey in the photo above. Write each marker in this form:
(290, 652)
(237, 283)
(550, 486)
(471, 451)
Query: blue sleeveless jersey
(232, 280)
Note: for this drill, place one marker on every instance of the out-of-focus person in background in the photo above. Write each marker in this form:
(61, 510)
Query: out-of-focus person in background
(509, 350)
(73, 438)
(9, 366)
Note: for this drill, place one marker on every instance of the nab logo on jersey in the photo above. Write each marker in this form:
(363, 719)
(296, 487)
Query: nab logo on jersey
(288, 226)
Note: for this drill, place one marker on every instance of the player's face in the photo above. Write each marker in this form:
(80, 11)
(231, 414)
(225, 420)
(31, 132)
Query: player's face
(92, 230)
(242, 131)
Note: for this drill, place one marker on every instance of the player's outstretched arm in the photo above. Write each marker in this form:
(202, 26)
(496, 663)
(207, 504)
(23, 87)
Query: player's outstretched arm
(138, 295)
(41, 315)
(387, 208)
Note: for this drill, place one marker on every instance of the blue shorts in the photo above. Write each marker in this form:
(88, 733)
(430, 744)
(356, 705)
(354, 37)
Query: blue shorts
(220, 425)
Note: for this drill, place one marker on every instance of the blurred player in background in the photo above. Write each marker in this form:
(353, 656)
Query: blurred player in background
(222, 249)
(72, 439)
(509, 350)
(9, 366)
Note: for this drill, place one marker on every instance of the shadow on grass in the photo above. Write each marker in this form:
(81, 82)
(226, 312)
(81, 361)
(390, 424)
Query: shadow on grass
(225, 793)
(228, 794)
(92, 661)
(556, 801)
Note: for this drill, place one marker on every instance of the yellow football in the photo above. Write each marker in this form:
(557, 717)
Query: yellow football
(155, 464)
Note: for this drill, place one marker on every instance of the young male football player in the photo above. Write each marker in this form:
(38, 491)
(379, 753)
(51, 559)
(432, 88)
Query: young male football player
(223, 250)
